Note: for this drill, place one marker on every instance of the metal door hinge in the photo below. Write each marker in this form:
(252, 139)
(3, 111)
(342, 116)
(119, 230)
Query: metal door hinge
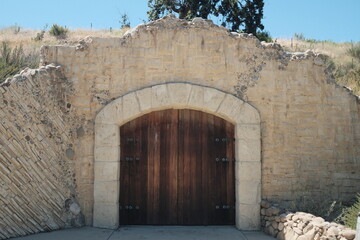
(223, 140)
(129, 159)
(130, 207)
(224, 207)
(130, 139)
(224, 159)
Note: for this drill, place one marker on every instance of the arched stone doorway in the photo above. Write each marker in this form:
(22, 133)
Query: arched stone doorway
(246, 121)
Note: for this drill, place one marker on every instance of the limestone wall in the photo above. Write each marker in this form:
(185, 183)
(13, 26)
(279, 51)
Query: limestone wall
(310, 127)
(310, 133)
(37, 191)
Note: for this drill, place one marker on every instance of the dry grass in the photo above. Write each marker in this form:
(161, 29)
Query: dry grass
(337, 51)
(345, 68)
(26, 37)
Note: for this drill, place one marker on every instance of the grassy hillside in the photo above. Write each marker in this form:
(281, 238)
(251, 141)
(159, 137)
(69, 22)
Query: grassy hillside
(344, 58)
(19, 48)
(26, 37)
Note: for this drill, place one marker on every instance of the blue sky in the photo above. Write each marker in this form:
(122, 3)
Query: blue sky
(319, 19)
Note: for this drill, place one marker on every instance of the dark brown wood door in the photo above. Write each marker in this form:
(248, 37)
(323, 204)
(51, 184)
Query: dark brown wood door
(177, 168)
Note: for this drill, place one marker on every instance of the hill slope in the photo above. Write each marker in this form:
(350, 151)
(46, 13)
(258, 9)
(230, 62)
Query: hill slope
(346, 68)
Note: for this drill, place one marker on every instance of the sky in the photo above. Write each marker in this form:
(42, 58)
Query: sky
(333, 20)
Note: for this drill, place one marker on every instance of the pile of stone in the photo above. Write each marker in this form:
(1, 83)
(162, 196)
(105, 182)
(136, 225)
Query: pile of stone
(285, 225)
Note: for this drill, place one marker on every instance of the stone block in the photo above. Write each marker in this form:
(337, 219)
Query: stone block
(248, 115)
(107, 154)
(131, 107)
(247, 216)
(107, 135)
(213, 98)
(107, 171)
(111, 113)
(230, 108)
(106, 215)
(179, 94)
(159, 96)
(248, 192)
(247, 132)
(106, 191)
(196, 98)
(248, 171)
(247, 150)
(144, 96)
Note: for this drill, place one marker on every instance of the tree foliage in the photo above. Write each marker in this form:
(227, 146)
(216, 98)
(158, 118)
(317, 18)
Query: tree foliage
(124, 21)
(237, 15)
(252, 13)
(264, 36)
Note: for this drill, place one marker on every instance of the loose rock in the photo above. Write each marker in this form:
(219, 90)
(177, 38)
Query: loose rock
(302, 226)
(348, 234)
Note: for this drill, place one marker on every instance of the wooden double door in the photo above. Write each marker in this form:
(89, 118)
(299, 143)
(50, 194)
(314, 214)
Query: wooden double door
(177, 168)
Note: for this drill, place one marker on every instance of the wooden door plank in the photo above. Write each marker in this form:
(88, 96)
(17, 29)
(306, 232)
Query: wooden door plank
(138, 171)
(230, 174)
(163, 174)
(205, 164)
(173, 166)
(223, 170)
(143, 171)
(219, 154)
(196, 210)
(157, 165)
(181, 166)
(191, 162)
(124, 175)
(165, 170)
(191, 155)
(186, 168)
(151, 129)
(132, 172)
(223, 166)
(168, 168)
(211, 171)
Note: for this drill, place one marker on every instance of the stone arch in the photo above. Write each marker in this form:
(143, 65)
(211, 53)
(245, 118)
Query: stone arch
(178, 95)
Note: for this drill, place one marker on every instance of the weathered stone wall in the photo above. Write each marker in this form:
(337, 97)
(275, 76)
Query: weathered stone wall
(310, 133)
(310, 127)
(37, 191)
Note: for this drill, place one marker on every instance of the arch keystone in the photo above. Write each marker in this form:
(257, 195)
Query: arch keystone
(179, 93)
